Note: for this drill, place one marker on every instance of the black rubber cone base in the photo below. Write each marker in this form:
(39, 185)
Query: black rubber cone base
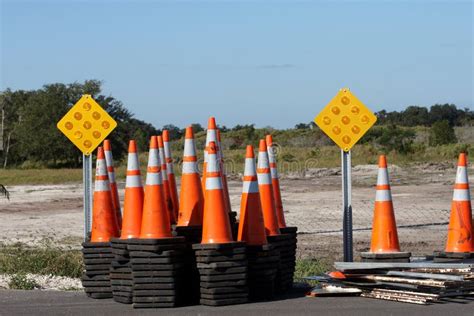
(235, 244)
(217, 265)
(223, 277)
(385, 257)
(222, 271)
(100, 295)
(208, 285)
(238, 257)
(223, 302)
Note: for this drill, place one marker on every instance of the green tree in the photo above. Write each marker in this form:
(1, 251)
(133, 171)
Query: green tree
(442, 133)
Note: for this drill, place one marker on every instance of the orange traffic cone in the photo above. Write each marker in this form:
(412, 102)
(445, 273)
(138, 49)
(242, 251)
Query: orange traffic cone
(275, 182)
(104, 222)
(384, 245)
(384, 227)
(211, 136)
(113, 185)
(155, 219)
(133, 204)
(251, 226)
(166, 185)
(266, 191)
(192, 199)
(216, 226)
(460, 231)
(170, 171)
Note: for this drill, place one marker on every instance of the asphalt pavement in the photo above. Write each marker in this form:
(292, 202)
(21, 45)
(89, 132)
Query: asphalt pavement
(76, 303)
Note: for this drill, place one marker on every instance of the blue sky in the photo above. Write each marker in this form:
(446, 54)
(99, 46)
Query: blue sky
(271, 63)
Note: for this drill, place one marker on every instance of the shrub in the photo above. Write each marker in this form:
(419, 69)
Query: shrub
(442, 133)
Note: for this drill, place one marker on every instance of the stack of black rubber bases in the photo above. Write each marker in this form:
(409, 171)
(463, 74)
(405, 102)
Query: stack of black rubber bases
(285, 244)
(263, 264)
(121, 272)
(160, 270)
(97, 259)
(223, 273)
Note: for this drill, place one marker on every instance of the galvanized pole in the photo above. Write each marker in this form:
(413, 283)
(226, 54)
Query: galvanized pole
(87, 181)
(347, 205)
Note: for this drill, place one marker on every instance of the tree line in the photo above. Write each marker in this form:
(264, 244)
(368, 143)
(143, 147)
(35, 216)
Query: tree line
(29, 137)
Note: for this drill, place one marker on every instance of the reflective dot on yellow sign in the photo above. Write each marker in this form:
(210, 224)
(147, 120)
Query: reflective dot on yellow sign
(96, 134)
(345, 100)
(78, 135)
(355, 110)
(87, 144)
(105, 124)
(346, 139)
(87, 106)
(365, 119)
(345, 120)
(327, 120)
(336, 110)
(355, 129)
(87, 125)
(68, 125)
(78, 116)
(96, 115)
(336, 130)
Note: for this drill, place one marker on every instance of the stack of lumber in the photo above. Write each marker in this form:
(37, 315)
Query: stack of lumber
(415, 282)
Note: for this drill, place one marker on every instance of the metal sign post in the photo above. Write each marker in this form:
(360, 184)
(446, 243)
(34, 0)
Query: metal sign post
(345, 119)
(87, 182)
(347, 205)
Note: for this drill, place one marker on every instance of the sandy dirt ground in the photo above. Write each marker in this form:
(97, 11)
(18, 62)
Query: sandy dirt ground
(422, 196)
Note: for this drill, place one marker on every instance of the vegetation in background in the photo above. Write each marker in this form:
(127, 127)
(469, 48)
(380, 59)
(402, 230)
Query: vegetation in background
(30, 139)
(442, 133)
(19, 259)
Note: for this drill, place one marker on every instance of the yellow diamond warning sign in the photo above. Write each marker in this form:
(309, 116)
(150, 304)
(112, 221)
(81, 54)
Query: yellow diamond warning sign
(345, 119)
(86, 124)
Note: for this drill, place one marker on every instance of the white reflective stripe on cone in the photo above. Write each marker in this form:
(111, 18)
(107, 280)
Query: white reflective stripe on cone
(153, 178)
(271, 155)
(250, 187)
(164, 174)
(213, 183)
(264, 178)
(190, 167)
(133, 181)
(383, 195)
(132, 163)
(250, 167)
(111, 177)
(169, 168)
(153, 158)
(166, 145)
(382, 177)
(274, 173)
(108, 158)
(461, 175)
(101, 168)
(189, 148)
(101, 185)
(263, 160)
(212, 164)
(461, 195)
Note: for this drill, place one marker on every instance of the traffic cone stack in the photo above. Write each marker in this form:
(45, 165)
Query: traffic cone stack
(121, 270)
(192, 199)
(460, 241)
(166, 183)
(263, 259)
(284, 229)
(97, 253)
(221, 261)
(384, 245)
(283, 243)
(170, 171)
(158, 261)
(113, 185)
